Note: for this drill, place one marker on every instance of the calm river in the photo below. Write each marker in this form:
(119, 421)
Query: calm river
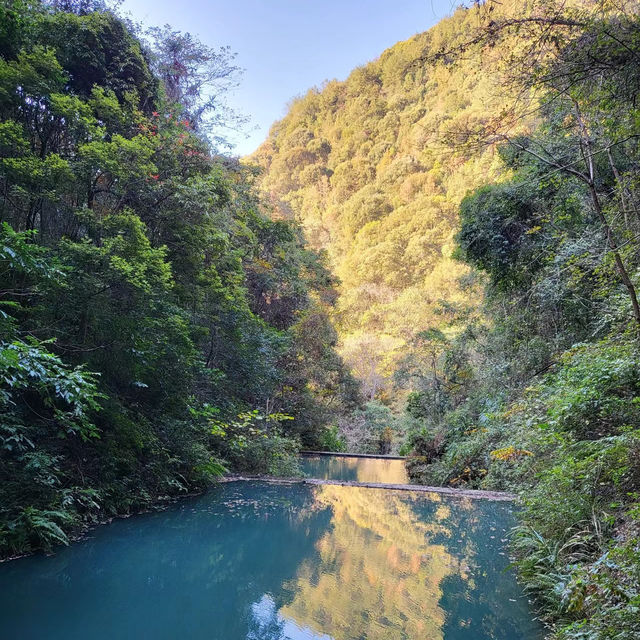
(381, 470)
(259, 561)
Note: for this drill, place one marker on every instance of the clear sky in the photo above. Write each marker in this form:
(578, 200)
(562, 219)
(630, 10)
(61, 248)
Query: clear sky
(288, 46)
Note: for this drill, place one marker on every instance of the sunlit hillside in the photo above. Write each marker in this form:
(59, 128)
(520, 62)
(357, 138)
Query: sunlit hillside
(365, 166)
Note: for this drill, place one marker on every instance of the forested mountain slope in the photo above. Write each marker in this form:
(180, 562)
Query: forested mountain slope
(508, 135)
(364, 166)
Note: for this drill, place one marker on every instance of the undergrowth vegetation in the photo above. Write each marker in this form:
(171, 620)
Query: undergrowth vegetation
(159, 326)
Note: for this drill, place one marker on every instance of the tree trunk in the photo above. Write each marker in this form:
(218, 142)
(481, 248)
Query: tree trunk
(586, 148)
(624, 275)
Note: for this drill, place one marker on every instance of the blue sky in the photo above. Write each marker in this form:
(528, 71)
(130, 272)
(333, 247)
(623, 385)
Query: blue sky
(288, 46)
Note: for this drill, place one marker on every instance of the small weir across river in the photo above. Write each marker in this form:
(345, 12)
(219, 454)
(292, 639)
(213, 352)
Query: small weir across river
(323, 559)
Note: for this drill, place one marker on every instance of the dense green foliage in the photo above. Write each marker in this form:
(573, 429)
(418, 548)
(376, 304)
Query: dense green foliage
(156, 326)
(547, 403)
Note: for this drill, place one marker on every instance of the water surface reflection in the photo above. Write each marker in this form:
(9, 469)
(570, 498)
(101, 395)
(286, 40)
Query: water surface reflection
(354, 469)
(406, 565)
(253, 561)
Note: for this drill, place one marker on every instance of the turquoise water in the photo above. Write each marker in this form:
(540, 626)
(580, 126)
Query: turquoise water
(355, 469)
(256, 561)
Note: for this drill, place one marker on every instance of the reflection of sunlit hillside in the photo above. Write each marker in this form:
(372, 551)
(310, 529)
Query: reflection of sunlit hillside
(380, 569)
(374, 470)
(355, 469)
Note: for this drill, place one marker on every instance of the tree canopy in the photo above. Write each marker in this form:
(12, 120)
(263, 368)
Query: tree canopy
(157, 325)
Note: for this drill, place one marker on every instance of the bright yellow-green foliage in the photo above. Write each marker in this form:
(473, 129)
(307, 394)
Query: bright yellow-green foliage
(364, 166)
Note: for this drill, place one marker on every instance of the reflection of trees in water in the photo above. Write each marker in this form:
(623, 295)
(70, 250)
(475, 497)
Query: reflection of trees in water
(380, 570)
(489, 603)
(268, 532)
(355, 469)
(278, 562)
(402, 565)
(328, 467)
